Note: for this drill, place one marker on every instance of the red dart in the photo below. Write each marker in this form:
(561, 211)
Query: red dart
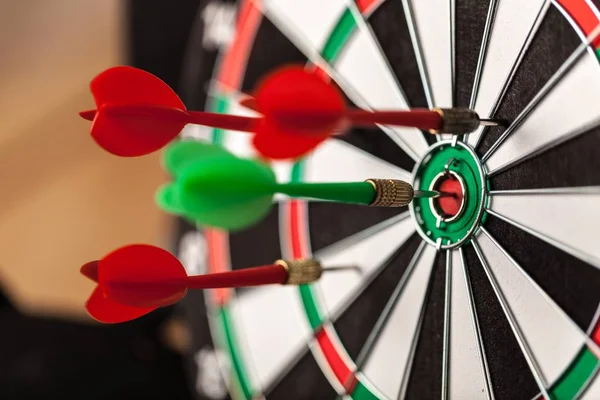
(136, 279)
(138, 113)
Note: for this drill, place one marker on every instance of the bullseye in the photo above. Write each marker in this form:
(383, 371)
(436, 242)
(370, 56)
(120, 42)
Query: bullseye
(451, 204)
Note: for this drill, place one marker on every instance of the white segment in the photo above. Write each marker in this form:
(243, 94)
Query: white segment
(312, 19)
(338, 289)
(553, 339)
(433, 31)
(337, 161)
(392, 355)
(271, 329)
(568, 110)
(364, 67)
(593, 390)
(564, 219)
(512, 22)
(466, 372)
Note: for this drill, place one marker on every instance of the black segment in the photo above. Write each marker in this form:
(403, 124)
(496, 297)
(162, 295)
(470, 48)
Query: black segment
(570, 282)
(469, 26)
(356, 323)
(510, 375)
(379, 144)
(304, 381)
(330, 223)
(255, 246)
(553, 43)
(276, 51)
(425, 381)
(389, 24)
(571, 164)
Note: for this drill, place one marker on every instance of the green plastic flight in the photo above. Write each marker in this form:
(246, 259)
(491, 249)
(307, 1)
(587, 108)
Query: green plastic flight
(213, 187)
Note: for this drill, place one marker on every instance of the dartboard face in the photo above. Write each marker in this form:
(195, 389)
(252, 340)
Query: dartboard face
(491, 296)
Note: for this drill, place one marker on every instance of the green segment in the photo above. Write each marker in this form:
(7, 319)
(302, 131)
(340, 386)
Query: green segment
(465, 166)
(239, 375)
(598, 53)
(573, 380)
(339, 36)
(361, 392)
(220, 106)
(315, 319)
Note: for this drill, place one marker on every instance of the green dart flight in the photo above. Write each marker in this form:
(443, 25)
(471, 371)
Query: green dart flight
(215, 188)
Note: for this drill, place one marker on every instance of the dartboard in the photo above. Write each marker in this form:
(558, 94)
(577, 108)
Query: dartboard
(495, 297)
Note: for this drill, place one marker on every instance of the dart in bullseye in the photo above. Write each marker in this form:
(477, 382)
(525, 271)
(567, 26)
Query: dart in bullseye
(137, 279)
(215, 188)
(137, 113)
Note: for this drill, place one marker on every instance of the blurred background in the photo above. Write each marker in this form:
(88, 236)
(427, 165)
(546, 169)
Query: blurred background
(65, 201)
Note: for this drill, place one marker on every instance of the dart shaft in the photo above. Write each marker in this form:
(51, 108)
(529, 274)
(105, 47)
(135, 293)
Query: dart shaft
(343, 192)
(417, 118)
(255, 276)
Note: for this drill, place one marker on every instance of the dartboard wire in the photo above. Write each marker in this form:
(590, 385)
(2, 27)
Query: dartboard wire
(366, 282)
(453, 49)
(487, 32)
(414, 342)
(527, 353)
(584, 190)
(563, 70)
(314, 56)
(547, 146)
(515, 66)
(447, 321)
(340, 246)
(366, 29)
(382, 320)
(475, 321)
(593, 346)
(418, 49)
(554, 242)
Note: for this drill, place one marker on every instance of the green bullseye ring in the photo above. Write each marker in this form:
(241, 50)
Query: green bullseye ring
(460, 160)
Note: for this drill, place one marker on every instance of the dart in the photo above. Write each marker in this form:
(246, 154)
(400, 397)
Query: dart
(136, 279)
(137, 113)
(215, 188)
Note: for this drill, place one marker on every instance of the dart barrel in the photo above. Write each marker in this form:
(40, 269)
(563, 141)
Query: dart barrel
(301, 271)
(391, 193)
(458, 121)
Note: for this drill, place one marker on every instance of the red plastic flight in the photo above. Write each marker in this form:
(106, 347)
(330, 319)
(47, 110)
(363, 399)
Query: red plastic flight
(137, 113)
(136, 279)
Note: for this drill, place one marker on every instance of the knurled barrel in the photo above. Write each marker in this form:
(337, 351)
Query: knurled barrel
(391, 193)
(301, 271)
(458, 121)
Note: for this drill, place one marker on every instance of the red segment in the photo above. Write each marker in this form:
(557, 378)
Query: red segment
(367, 6)
(234, 61)
(339, 368)
(297, 218)
(449, 205)
(583, 14)
(218, 261)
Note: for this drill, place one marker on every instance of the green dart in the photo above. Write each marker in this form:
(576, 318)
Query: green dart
(215, 188)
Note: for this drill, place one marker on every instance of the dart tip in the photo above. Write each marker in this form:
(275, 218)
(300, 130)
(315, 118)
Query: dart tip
(88, 114)
(493, 122)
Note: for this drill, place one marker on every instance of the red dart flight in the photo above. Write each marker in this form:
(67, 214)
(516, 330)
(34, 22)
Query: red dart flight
(137, 279)
(137, 113)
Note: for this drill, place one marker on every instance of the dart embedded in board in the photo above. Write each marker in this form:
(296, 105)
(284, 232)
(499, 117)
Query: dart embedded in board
(137, 279)
(215, 188)
(137, 113)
